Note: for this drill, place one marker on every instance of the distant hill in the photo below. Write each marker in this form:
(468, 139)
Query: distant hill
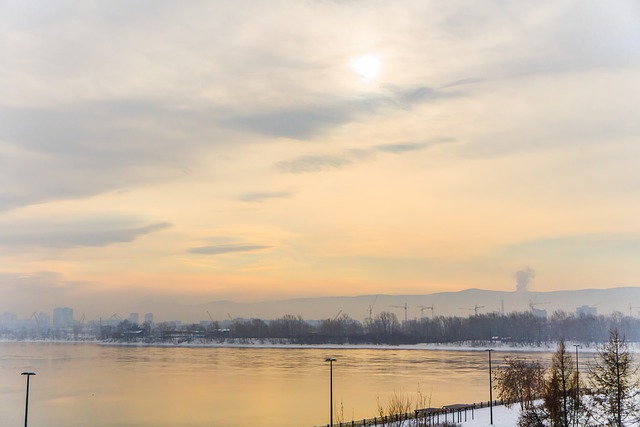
(462, 303)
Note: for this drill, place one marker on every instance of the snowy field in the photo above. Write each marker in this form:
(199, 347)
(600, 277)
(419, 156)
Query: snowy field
(502, 417)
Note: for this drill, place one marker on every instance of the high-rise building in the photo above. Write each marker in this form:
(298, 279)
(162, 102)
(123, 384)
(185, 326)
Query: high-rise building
(585, 310)
(148, 318)
(62, 317)
(134, 318)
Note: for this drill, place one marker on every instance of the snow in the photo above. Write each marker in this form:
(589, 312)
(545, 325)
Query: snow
(467, 346)
(502, 417)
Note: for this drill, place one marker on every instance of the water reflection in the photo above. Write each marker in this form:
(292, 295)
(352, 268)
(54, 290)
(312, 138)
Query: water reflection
(89, 384)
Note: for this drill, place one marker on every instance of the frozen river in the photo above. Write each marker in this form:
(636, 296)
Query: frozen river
(94, 385)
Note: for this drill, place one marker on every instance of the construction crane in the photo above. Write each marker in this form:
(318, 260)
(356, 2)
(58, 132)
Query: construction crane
(371, 308)
(336, 317)
(474, 309)
(425, 307)
(405, 310)
(209, 314)
(36, 316)
(532, 305)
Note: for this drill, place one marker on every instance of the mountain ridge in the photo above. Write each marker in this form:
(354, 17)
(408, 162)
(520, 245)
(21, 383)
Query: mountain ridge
(624, 299)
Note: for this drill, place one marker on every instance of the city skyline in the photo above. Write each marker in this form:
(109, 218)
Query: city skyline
(171, 152)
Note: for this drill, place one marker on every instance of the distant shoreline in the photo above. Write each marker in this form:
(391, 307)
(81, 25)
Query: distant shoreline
(415, 347)
(264, 344)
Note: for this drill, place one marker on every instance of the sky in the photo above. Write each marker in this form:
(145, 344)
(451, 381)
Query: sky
(260, 150)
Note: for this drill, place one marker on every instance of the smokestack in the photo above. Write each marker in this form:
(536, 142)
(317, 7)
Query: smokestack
(523, 278)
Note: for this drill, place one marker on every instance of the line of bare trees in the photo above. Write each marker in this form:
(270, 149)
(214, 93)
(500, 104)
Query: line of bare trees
(519, 328)
(385, 328)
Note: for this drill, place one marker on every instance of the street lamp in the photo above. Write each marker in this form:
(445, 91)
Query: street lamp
(330, 360)
(490, 388)
(26, 406)
(577, 403)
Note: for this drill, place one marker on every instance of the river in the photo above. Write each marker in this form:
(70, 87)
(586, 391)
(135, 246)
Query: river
(97, 385)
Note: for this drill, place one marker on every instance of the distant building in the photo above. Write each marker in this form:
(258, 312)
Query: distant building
(134, 318)
(585, 310)
(540, 313)
(148, 318)
(62, 317)
(8, 318)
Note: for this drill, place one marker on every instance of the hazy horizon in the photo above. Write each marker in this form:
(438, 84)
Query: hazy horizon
(359, 307)
(202, 151)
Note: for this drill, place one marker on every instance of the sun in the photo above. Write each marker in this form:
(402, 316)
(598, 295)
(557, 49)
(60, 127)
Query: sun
(368, 67)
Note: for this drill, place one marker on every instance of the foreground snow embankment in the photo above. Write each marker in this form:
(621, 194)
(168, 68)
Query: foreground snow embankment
(502, 417)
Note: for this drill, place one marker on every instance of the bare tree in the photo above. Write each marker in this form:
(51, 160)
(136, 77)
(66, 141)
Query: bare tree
(521, 380)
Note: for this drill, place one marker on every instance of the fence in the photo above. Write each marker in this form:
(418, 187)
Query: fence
(425, 417)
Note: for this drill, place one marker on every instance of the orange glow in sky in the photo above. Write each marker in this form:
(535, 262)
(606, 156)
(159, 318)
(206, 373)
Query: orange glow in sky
(222, 150)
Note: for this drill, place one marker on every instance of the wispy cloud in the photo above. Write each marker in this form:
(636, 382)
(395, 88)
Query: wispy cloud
(262, 196)
(226, 249)
(66, 234)
(320, 163)
(307, 120)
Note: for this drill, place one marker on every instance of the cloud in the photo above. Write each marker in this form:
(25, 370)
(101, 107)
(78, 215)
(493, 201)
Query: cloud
(300, 122)
(68, 234)
(262, 196)
(320, 163)
(307, 120)
(226, 249)
(120, 143)
(305, 164)
(86, 148)
(407, 97)
(405, 147)
(462, 82)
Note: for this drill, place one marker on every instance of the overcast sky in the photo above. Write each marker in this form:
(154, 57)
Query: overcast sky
(254, 150)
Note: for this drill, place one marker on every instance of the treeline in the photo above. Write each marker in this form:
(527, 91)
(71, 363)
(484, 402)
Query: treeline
(385, 328)
(559, 395)
(520, 328)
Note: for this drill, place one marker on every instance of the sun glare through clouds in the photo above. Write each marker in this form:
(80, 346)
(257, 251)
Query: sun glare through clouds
(368, 67)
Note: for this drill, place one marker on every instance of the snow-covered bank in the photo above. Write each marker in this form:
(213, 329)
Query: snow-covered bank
(470, 346)
(502, 417)
(280, 344)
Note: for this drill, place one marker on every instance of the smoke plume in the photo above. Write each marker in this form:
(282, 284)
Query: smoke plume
(523, 278)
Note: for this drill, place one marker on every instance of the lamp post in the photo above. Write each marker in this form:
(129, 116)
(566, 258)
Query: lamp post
(577, 403)
(330, 360)
(26, 406)
(490, 388)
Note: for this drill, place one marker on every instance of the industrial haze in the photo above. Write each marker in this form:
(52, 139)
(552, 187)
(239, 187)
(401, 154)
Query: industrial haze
(462, 303)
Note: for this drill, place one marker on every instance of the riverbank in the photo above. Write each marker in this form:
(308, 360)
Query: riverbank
(502, 417)
(479, 417)
(282, 344)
